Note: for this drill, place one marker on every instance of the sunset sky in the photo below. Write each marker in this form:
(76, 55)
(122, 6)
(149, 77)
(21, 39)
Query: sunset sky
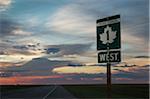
(64, 31)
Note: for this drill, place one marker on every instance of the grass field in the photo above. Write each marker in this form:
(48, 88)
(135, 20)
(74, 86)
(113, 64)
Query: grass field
(7, 88)
(128, 91)
(119, 91)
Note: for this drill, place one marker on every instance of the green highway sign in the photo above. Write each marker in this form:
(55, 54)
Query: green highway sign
(108, 33)
(109, 40)
(112, 56)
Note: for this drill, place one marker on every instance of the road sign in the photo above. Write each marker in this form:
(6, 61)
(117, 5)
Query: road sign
(112, 56)
(108, 33)
(109, 37)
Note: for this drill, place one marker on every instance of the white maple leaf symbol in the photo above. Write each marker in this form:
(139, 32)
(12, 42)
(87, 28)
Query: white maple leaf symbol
(108, 36)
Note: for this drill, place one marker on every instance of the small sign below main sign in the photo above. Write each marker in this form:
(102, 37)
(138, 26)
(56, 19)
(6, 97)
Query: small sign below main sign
(112, 56)
(108, 33)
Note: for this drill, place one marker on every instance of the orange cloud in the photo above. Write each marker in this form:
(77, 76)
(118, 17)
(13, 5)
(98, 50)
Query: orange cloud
(4, 64)
(138, 61)
(7, 64)
(123, 79)
(24, 79)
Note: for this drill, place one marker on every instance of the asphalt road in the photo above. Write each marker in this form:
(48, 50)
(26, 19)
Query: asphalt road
(40, 92)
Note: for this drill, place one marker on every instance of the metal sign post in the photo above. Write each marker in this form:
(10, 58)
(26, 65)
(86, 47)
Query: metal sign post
(108, 80)
(108, 38)
(108, 69)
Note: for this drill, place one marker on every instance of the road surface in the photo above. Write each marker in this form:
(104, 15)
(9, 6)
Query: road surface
(40, 92)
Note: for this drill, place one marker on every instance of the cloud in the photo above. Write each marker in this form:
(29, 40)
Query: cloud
(71, 52)
(138, 74)
(79, 20)
(70, 20)
(5, 64)
(141, 57)
(81, 74)
(21, 32)
(79, 70)
(33, 21)
(137, 61)
(19, 48)
(14, 47)
(75, 21)
(10, 28)
(3, 53)
(7, 26)
(6, 74)
(32, 69)
(132, 42)
(22, 47)
(71, 56)
(4, 4)
(76, 18)
(68, 49)
(52, 50)
(22, 50)
(19, 52)
(28, 79)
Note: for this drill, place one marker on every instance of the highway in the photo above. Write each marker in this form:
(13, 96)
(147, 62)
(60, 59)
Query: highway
(40, 92)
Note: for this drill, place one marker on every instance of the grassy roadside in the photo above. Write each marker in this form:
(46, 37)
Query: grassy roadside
(7, 88)
(128, 91)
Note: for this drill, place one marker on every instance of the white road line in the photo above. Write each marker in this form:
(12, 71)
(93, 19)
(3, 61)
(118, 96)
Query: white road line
(50, 92)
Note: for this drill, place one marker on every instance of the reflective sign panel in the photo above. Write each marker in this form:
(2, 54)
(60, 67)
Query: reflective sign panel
(112, 56)
(108, 33)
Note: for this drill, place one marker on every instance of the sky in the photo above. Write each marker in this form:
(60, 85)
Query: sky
(65, 31)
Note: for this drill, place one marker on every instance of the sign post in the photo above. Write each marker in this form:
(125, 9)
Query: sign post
(108, 80)
(108, 68)
(108, 42)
